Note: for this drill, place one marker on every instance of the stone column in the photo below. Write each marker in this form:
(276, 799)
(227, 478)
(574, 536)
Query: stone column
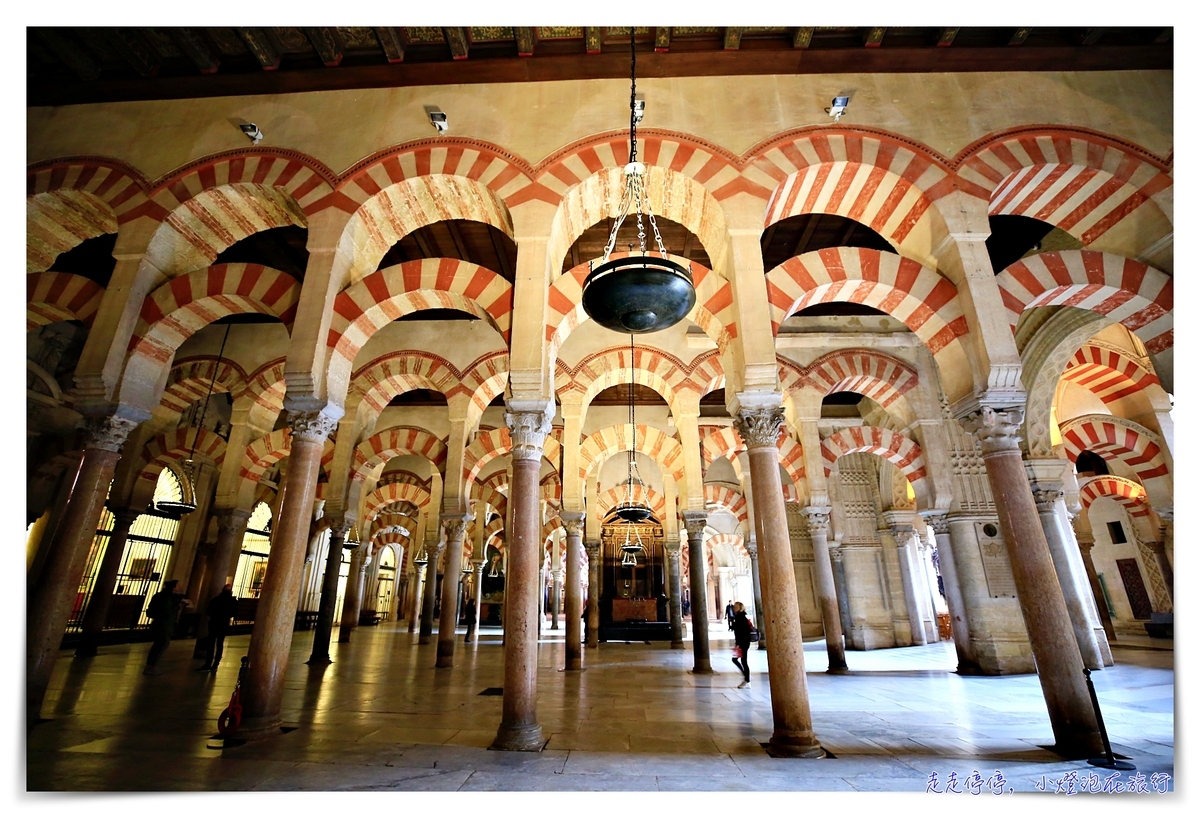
(271, 639)
(756, 581)
(51, 601)
(1159, 548)
(694, 522)
(1046, 498)
(843, 595)
(329, 583)
(831, 619)
(519, 728)
(106, 580)
(1086, 542)
(1055, 650)
(967, 663)
(556, 578)
(414, 603)
(675, 590)
(479, 564)
(593, 600)
(573, 522)
(352, 602)
(456, 532)
(903, 532)
(231, 531)
(760, 427)
(433, 551)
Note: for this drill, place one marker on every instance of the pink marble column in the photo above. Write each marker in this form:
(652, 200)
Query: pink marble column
(271, 639)
(327, 607)
(418, 590)
(433, 552)
(51, 600)
(519, 728)
(831, 618)
(694, 522)
(1055, 650)
(675, 579)
(573, 523)
(355, 581)
(756, 578)
(593, 600)
(456, 532)
(106, 580)
(759, 428)
(959, 629)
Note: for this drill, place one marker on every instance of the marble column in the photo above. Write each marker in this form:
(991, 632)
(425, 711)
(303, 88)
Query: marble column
(418, 593)
(903, 533)
(479, 564)
(327, 607)
(53, 526)
(1047, 499)
(355, 583)
(271, 639)
(843, 594)
(556, 579)
(433, 551)
(959, 630)
(831, 619)
(1085, 550)
(573, 522)
(519, 728)
(50, 603)
(1055, 649)
(96, 615)
(694, 522)
(756, 581)
(675, 590)
(593, 598)
(456, 532)
(231, 531)
(760, 428)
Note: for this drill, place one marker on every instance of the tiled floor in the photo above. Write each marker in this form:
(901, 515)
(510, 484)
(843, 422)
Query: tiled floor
(382, 718)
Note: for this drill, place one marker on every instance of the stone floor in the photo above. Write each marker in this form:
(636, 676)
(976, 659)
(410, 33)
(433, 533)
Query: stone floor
(382, 718)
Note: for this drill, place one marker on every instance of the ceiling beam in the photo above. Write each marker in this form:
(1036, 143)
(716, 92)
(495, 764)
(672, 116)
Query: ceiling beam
(662, 39)
(733, 38)
(506, 269)
(456, 237)
(592, 39)
(134, 49)
(874, 37)
(802, 242)
(526, 40)
(427, 249)
(802, 38)
(391, 42)
(1090, 36)
(327, 44)
(75, 57)
(457, 40)
(260, 45)
(192, 43)
(1019, 36)
(946, 37)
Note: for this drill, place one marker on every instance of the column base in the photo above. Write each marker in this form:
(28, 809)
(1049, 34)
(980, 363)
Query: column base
(702, 671)
(786, 745)
(677, 645)
(258, 728)
(574, 664)
(319, 660)
(1084, 746)
(524, 738)
(445, 658)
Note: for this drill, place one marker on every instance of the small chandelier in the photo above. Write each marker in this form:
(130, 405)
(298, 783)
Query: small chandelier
(422, 558)
(639, 292)
(633, 509)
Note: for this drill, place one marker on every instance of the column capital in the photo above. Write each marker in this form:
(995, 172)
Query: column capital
(817, 517)
(528, 431)
(1046, 498)
(592, 549)
(479, 565)
(751, 548)
(901, 525)
(556, 574)
(938, 521)
(1166, 513)
(314, 427)
(456, 525)
(694, 521)
(996, 431)
(230, 517)
(835, 553)
(573, 522)
(124, 517)
(108, 433)
(339, 527)
(759, 427)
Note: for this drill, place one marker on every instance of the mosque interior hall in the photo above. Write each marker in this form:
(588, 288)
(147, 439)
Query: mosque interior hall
(600, 408)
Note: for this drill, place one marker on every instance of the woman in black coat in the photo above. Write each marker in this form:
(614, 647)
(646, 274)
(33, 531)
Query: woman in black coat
(742, 628)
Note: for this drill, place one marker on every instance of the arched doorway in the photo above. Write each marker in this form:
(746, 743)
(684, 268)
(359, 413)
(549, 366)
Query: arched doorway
(633, 605)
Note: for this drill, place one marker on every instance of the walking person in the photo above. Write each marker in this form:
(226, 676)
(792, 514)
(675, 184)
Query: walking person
(220, 610)
(742, 628)
(472, 615)
(729, 615)
(163, 611)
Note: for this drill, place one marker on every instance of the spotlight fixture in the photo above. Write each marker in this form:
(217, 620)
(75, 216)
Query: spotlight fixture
(637, 293)
(437, 118)
(251, 130)
(838, 107)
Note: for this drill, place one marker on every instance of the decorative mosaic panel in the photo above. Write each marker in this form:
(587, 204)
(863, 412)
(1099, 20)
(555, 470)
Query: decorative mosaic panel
(559, 32)
(358, 37)
(766, 30)
(292, 40)
(683, 31)
(227, 41)
(490, 34)
(616, 31)
(162, 42)
(423, 35)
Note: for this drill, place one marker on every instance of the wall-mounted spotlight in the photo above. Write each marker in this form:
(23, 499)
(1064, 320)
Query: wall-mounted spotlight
(838, 107)
(437, 118)
(251, 130)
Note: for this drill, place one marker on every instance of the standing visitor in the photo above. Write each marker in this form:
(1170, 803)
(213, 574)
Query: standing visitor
(729, 615)
(163, 611)
(472, 615)
(221, 609)
(742, 628)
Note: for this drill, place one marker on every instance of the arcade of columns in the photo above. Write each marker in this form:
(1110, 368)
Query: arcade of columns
(980, 390)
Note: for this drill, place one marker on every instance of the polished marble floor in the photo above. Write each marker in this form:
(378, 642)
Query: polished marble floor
(382, 718)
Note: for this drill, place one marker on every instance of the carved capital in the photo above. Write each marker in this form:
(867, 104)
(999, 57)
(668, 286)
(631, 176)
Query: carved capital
(1045, 499)
(315, 427)
(573, 522)
(673, 548)
(339, 527)
(835, 553)
(759, 428)
(694, 522)
(528, 432)
(940, 523)
(752, 548)
(479, 565)
(592, 549)
(996, 431)
(230, 518)
(818, 519)
(108, 433)
(1166, 513)
(456, 526)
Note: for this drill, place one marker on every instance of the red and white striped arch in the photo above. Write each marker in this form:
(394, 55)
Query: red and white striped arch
(1127, 291)
(728, 499)
(735, 543)
(483, 380)
(791, 460)
(707, 374)
(385, 495)
(492, 443)
(720, 441)
(551, 490)
(367, 306)
(394, 442)
(653, 368)
(496, 501)
(880, 377)
(265, 388)
(401, 208)
(602, 444)
(713, 312)
(54, 297)
(1109, 373)
(493, 534)
(1081, 182)
(610, 499)
(395, 373)
(1128, 493)
(264, 453)
(173, 446)
(1118, 439)
(190, 380)
(893, 447)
